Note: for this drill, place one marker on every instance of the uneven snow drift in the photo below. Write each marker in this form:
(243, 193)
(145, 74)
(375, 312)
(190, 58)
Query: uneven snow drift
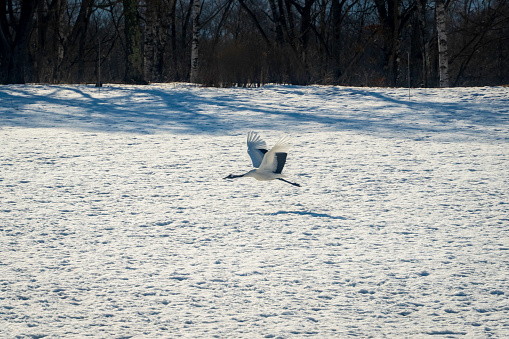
(115, 220)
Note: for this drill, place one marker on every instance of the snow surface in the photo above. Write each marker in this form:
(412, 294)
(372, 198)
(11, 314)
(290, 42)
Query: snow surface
(116, 222)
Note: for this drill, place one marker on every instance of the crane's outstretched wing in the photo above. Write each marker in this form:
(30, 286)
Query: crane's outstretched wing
(274, 160)
(256, 148)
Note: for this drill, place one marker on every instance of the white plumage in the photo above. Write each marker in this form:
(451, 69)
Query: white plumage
(268, 164)
(256, 148)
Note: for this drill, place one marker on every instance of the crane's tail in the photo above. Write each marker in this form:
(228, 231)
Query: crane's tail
(291, 183)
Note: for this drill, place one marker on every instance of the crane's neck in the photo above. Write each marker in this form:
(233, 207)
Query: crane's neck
(232, 176)
(251, 173)
(248, 174)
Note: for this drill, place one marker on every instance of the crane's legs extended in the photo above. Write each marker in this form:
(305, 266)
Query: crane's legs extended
(233, 176)
(291, 183)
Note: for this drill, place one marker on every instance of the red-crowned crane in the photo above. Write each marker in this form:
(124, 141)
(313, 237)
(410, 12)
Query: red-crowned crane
(268, 164)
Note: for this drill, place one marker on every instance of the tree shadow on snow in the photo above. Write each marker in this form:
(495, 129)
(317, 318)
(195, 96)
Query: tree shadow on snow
(180, 109)
(122, 109)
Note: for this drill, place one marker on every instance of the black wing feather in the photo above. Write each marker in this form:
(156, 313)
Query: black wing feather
(281, 159)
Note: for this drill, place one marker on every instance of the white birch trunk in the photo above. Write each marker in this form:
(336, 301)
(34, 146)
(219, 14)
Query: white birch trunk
(443, 60)
(195, 41)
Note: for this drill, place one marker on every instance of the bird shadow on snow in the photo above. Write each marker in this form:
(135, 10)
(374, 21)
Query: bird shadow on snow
(151, 109)
(312, 214)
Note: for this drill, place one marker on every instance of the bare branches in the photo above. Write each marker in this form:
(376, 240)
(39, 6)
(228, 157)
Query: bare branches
(251, 42)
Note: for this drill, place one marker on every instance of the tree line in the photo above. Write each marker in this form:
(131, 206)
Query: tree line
(418, 43)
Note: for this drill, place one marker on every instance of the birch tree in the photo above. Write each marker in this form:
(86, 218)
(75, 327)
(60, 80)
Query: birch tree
(195, 41)
(443, 60)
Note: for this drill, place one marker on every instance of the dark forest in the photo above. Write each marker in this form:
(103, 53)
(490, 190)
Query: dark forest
(396, 43)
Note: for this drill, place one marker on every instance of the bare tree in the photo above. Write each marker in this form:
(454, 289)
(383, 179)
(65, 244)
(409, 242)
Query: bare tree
(443, 60)
(250, 42)
(49, 30)
(134, 57)
(15, 30)
(195, 44)
(74, 51)
(423, 41)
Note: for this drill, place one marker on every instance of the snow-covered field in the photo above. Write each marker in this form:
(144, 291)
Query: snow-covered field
(115, 221)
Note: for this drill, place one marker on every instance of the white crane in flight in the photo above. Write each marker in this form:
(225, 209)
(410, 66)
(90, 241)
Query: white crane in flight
(268, 164)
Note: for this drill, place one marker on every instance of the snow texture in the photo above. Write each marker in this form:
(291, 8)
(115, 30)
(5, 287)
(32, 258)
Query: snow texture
(116, 222)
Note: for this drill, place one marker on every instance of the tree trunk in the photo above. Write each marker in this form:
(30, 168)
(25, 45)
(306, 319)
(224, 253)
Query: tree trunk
(174, 57)
(195, 44)
(443, 60)
(276, 19)
(150, 43)
(14, 47)
(336, 43)
(305, 30)
(421, 5)
(395, 50)
(134, 58)
(389, 13)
